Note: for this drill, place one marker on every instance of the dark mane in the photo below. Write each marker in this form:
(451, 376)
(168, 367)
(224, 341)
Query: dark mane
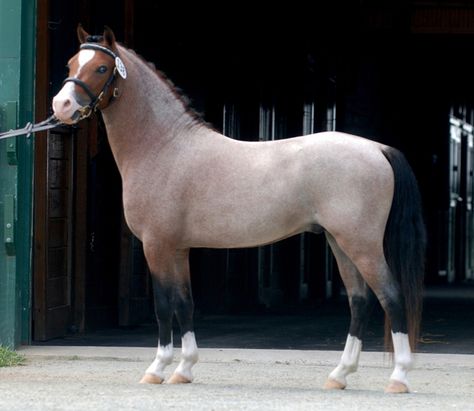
(176, 91)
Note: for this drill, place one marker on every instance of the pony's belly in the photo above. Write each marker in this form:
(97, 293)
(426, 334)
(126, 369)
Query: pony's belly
(242, 235)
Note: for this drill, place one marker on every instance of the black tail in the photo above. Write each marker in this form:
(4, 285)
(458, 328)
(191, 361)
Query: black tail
(405, 242)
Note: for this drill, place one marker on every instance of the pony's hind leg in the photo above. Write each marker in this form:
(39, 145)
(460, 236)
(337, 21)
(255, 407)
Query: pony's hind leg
(184, 313)
(391, 298)
(371, 263)
(361, 302)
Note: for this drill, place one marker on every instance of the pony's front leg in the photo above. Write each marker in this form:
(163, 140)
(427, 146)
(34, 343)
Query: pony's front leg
(189, 357)
(184, 314)
(162, 272)
(154, 374)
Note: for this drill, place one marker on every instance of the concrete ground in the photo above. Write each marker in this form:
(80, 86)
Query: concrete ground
(106, 378)
(253, 362)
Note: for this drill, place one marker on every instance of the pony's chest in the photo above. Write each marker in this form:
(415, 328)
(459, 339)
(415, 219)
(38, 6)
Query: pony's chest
(147, 208)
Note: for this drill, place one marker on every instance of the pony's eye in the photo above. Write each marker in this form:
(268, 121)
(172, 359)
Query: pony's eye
(102, 69)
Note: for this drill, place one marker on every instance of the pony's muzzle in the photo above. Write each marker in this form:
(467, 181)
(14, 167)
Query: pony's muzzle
(65, 106)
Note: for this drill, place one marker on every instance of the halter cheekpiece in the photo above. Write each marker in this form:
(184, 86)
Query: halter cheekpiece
(119, 68)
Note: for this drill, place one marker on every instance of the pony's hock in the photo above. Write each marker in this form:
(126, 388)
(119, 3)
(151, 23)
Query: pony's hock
(186, 185)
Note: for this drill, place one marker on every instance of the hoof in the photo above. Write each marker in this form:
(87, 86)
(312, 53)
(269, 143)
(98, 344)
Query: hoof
(178, 379)
(331, 384)
(151, 379)
(396, 387)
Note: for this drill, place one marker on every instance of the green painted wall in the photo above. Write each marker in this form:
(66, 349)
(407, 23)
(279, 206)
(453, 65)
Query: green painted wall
(17, 65)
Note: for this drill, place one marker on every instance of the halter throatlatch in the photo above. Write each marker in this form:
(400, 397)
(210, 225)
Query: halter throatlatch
(86, 111)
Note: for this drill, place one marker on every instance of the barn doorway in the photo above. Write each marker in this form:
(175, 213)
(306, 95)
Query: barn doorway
(89, 270)
(254, 81)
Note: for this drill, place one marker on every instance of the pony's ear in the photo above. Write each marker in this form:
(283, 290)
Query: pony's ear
(109, 37)
(82, 34)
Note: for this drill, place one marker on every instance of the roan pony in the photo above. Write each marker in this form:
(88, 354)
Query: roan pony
(186, 185)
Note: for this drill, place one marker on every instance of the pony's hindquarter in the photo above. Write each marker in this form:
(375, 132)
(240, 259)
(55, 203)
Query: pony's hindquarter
(405, 242)
(393, 271)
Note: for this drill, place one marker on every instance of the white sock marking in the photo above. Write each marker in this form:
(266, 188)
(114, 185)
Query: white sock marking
(189, 355)
(349, 360)
(403, 357)
(164, 357)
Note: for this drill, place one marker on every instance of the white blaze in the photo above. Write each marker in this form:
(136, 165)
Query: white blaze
(84, 57)
(64, 103)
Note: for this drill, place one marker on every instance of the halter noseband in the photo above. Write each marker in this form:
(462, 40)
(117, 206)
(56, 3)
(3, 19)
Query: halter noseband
(86, 111)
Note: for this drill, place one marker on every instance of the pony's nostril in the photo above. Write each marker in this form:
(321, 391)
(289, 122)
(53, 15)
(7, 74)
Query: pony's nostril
(62, 105)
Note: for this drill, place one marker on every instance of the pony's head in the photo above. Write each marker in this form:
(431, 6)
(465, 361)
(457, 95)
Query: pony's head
(92, 79)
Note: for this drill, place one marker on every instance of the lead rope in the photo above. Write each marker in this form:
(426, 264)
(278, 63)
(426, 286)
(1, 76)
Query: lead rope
(30, 128)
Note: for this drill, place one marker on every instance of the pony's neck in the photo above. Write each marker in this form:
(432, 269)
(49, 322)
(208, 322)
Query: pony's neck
(147, 114)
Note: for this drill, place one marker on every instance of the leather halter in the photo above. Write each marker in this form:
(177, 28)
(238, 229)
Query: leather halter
(86, 111)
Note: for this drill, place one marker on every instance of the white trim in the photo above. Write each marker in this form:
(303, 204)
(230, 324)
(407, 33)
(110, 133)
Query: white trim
(349, 360)
(189, 355)
(403, 357)
(164, 357)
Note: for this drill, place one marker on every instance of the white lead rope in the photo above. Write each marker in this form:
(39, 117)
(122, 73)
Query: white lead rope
(30, 128)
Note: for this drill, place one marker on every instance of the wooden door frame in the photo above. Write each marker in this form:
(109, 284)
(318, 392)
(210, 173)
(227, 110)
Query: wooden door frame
(40, 233)
(85, 134)
(40, 213)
